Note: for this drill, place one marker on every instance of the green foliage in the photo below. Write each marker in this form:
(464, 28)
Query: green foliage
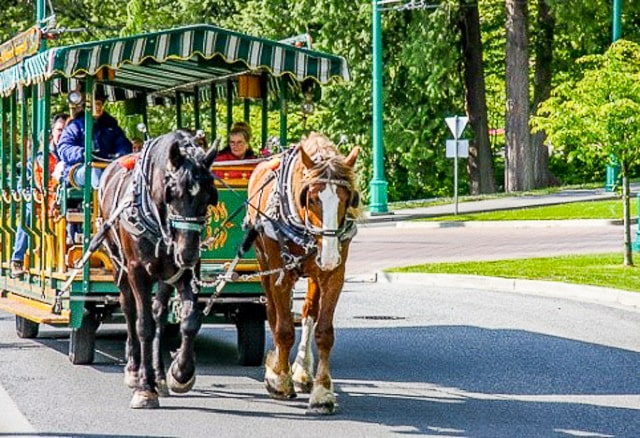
(421, 70)
(598, 115)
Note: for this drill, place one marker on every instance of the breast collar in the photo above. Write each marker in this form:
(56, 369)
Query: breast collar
(142, 218)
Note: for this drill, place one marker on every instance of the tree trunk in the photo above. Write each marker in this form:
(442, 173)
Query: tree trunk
(542, 89)
(518, 155)
(626, 213)
(480, 162)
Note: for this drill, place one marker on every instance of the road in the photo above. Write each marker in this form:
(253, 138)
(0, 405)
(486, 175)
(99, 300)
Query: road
(438, 361)
(378, 247)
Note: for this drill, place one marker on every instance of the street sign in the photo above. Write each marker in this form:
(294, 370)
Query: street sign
(458, 148)
(457, 124)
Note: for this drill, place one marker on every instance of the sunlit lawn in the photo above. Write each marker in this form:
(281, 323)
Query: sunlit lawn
(605, 270)
(609, 209)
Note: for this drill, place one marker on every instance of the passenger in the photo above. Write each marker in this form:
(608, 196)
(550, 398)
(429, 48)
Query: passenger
(238, 148)
(136, 144)
(109, 142)
(22, 239)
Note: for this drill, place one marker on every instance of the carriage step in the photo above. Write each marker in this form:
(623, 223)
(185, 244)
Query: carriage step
(33, 310)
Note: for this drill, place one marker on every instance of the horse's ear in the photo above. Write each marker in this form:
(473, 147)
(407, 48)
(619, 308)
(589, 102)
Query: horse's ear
(212, 153)
(175, 156)
(351, 158)
(306, 159)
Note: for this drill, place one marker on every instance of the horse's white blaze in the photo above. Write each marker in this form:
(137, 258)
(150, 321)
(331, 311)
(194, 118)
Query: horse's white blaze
(330, 254)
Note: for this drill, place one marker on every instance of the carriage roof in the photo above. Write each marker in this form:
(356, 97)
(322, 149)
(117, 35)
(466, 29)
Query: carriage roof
(180, 59)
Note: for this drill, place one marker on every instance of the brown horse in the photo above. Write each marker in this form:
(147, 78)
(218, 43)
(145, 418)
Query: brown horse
(155, 211)
(300, 215)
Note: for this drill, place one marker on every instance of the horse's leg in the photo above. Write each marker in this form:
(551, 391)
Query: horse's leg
(160, 313)
(323, 400)
(132, 346)
(277, 377)
(303, 364)
(144, 395)
(182, 373)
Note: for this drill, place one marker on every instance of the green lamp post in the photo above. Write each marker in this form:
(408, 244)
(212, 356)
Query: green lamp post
(613, 167)
(378, 185)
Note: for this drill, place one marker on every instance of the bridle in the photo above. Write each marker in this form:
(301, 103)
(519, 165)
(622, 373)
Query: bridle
(143, 218)
(322, 231)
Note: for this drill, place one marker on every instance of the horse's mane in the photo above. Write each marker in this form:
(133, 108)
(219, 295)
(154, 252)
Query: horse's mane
(191, 171)
(330, 162)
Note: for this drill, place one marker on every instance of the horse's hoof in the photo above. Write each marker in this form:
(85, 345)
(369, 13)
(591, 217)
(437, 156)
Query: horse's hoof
(177, 387)
(279, 386)
(302, 387)
(328, 408)
(161, 388)
(280, 394)
(144, 400)
(302, 383)
(322, 401)
(131, 378)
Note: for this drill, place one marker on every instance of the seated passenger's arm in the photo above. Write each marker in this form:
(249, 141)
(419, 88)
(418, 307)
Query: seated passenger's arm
(71, 145)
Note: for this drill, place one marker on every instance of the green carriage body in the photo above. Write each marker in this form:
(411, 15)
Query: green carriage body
(193, 64)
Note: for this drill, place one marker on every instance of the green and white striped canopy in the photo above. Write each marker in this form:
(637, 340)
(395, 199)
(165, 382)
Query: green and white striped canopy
(176, 60)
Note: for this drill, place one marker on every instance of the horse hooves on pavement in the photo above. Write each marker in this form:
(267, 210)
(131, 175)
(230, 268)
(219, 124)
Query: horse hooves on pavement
(177, 387)
(328, 408)
(144, 400)
(161, 388)
(280, 394)
(303, 387)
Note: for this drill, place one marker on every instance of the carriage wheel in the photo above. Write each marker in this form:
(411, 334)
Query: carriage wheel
(251, 335)
(83, 340)
(25, 328)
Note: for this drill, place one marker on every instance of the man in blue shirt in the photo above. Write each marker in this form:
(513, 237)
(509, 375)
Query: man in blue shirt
(108, 143)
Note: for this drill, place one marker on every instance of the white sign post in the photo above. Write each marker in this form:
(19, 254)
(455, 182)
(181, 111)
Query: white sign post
(456, 148)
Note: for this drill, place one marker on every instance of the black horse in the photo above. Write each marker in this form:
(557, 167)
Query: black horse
(154, 206)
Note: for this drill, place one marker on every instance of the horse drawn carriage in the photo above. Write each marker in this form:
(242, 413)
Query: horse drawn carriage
(194, 70)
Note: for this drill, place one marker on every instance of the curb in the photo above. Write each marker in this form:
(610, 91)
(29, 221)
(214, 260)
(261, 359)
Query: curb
(588, 294)
(573, 223)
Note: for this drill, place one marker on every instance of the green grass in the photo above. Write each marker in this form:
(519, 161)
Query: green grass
(608, 209)
(605, 270)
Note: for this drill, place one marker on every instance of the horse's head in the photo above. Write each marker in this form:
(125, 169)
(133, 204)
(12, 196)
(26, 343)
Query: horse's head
(327, 193)
(188, 192)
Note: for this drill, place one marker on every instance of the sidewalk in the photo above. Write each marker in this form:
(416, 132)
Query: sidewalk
(501, 203)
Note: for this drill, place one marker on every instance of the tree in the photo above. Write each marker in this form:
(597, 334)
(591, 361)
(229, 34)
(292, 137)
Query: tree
(543, 46)
(480, 162)
(519, 173)
(598, 116)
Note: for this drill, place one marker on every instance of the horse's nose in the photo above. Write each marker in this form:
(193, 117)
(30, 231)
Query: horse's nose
(328, 265)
